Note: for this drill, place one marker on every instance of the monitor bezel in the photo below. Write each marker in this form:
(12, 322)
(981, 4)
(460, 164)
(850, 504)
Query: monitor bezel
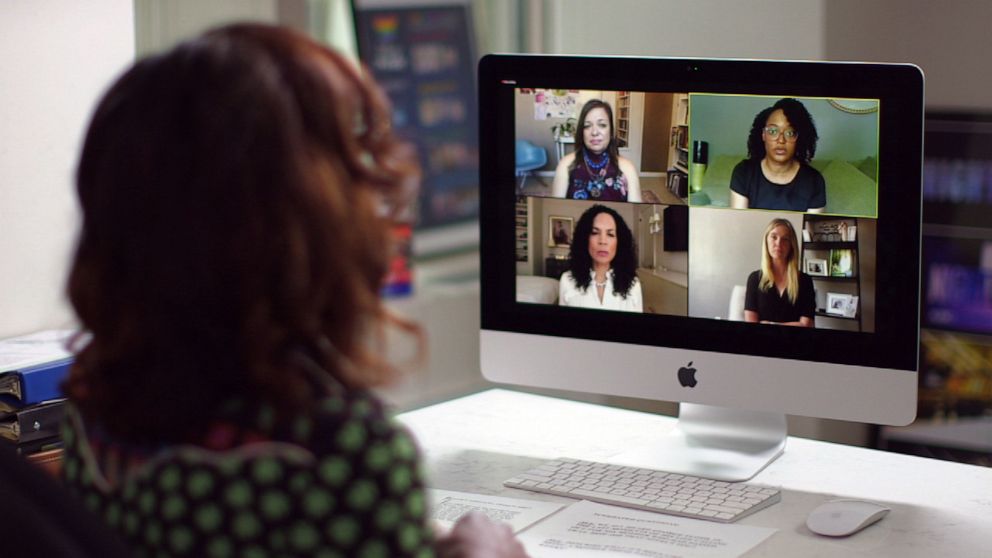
(899, 88)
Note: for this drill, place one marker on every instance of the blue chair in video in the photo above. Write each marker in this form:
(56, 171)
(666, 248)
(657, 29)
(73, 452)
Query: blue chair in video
(530, 157)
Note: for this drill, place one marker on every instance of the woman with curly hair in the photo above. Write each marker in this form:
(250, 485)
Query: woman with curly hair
(777, 174)
(238, 194)
(603, 264)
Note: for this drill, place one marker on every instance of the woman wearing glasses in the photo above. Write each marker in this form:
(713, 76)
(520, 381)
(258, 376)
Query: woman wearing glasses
(777, 174)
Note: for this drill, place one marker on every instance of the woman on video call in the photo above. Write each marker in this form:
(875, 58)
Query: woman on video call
(779, 293)
(238, 194)
(777, 174)
(595, 170)
(603, 264)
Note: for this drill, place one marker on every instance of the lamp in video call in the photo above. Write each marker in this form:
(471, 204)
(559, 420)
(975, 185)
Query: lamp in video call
(783, 280)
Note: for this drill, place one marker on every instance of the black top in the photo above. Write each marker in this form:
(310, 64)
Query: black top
(807, 190)
(773, 307)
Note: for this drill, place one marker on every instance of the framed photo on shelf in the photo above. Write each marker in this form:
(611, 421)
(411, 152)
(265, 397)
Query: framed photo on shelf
(817, 267)
(840, 304)
(848, 231)
(830, 230)
(836, 303)
(841, 263)
(851, 310)
(559, 231)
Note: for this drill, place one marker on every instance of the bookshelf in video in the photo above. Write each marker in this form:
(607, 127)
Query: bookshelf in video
(732, 207)
(955, 412)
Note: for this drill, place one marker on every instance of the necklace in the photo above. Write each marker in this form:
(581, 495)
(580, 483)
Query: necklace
(598, 284)
(597, 165)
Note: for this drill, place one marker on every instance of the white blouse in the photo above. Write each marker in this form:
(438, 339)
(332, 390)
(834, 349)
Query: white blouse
(571, 295)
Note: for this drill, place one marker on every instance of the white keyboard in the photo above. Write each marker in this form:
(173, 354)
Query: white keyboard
(646, 489)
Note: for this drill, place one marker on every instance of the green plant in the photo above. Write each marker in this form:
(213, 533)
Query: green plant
(564, 129)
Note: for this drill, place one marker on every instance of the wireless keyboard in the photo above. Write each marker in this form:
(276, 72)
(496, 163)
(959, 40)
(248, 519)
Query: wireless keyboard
(646, 489)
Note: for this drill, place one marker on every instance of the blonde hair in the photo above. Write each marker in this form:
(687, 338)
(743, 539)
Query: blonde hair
(792, 269)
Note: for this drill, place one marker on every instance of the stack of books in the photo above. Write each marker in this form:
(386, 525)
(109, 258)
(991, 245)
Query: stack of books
(32, 368)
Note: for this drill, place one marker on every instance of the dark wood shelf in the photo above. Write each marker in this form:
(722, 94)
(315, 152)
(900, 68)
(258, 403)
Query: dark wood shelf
(831, 245)
(811, 223)
(835, 278)
(822, 314)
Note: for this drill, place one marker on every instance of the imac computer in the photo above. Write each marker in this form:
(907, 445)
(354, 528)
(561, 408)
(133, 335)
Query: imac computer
(739, 236)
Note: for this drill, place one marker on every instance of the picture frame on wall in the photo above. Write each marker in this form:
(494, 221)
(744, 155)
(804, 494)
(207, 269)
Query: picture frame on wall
(816, 267)
(560, 231)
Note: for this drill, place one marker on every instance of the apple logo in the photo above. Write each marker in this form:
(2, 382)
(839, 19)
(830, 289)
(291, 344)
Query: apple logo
(687, 375)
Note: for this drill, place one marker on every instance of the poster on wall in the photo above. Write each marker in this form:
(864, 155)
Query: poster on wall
(555, 103)
(423, 57)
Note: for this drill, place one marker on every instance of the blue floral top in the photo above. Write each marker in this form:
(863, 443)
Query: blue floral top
(585, 182)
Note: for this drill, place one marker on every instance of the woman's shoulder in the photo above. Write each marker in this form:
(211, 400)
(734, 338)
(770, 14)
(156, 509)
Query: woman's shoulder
(567, 160)
(368, 464)
(746, 170)
(747, 165)
(754, 276)
(810, 170)
(635, 284)
(625, 165)
(346, 421)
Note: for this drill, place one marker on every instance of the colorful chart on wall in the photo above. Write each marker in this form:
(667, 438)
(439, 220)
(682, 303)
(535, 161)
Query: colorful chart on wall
(424, 58)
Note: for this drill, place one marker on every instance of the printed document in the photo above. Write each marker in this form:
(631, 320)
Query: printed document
(36, 348)
(590, 530)
(447, 506)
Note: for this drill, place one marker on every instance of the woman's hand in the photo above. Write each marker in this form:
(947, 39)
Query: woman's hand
(559, 186)
(476, 536)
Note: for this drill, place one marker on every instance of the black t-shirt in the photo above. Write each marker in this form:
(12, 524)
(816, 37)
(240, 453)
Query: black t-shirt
(773, 307)
(807, 190)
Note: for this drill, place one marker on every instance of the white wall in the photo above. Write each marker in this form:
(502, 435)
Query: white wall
(162, 24)
(949, 40)
(704, 28)
(56, 58)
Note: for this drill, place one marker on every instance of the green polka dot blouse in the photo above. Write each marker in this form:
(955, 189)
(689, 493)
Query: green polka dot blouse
(340, 481)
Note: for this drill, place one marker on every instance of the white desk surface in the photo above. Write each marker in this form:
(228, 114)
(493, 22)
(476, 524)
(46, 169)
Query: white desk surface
(943, 509)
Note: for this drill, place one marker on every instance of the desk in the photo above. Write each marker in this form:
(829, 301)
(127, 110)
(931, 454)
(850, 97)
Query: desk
(939, 508)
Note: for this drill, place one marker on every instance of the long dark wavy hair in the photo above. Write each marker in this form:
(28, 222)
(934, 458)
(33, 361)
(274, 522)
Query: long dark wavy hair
(580, 145)
(801, 121)
(237, 195)
(624, 264)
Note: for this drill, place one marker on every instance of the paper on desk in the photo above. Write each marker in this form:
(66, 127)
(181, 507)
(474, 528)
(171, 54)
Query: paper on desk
(590, 530)
(36, 348)
(447, 506)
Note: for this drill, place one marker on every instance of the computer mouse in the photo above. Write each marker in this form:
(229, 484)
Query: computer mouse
(840, 518)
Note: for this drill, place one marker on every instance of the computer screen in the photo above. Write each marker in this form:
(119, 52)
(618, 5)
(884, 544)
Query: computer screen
(739, 236)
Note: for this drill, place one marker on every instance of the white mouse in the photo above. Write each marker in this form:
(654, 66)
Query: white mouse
(840, 518)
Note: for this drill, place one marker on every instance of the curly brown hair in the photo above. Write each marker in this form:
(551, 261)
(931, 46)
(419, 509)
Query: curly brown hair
(238, 194)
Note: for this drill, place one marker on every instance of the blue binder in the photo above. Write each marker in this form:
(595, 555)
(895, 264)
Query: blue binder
(36, 383)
